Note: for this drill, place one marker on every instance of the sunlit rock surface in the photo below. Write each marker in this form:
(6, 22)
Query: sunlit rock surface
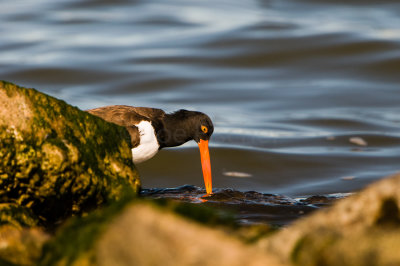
(363, 229)
(146, 234)
(57, 160)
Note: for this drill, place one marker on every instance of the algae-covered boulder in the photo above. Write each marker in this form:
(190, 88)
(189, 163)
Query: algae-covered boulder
(58, 160)
(141, 233)
(363, 229)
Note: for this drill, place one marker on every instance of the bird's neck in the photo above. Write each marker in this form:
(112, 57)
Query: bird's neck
(175, 131)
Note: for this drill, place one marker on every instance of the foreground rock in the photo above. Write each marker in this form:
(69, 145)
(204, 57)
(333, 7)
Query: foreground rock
(20, 239)
(57, 160)
(145, 234)
(21, 246)
(363, 229)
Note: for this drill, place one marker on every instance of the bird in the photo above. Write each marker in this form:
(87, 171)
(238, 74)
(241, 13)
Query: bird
(152, 129)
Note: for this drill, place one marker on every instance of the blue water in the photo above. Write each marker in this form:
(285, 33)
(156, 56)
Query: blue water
(287, 83)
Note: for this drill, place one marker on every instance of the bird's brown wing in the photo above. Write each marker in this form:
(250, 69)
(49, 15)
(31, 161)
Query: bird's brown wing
(129, 117)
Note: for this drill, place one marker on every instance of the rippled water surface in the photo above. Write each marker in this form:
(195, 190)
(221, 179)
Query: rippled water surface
(304, 95)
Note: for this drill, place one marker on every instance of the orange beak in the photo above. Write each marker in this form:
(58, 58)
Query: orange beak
(205, 164)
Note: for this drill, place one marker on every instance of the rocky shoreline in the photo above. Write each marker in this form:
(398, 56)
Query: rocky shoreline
(69, 196)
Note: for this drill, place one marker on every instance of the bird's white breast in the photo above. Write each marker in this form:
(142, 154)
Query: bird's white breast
(148, 145)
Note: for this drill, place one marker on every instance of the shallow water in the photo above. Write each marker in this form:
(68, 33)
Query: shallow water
(287, 83)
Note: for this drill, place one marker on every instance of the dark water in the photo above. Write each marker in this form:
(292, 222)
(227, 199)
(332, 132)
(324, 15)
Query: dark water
(287, 83)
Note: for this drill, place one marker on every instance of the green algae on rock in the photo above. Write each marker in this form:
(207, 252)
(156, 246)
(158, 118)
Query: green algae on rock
(58, 160)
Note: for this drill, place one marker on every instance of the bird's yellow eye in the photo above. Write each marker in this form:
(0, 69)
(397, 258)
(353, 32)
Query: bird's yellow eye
(204, 129)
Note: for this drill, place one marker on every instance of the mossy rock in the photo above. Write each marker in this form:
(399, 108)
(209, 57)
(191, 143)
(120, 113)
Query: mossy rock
(143, 232)
(58, 160)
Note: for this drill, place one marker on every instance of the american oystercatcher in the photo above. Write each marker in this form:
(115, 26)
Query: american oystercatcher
(152, 129)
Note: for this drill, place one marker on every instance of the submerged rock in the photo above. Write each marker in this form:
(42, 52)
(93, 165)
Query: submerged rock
(363, 229)
(57, 160)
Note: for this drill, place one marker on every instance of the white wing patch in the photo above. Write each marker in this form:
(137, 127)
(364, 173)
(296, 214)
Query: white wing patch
(148, 145)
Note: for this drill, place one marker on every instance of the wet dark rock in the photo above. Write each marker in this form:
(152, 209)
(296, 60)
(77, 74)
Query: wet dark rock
(57, 160)
(319, 200)
(252, 197)
(248, 207)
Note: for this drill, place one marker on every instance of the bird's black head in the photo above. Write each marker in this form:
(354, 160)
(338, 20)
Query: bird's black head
(202, 126)
(183, 125)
